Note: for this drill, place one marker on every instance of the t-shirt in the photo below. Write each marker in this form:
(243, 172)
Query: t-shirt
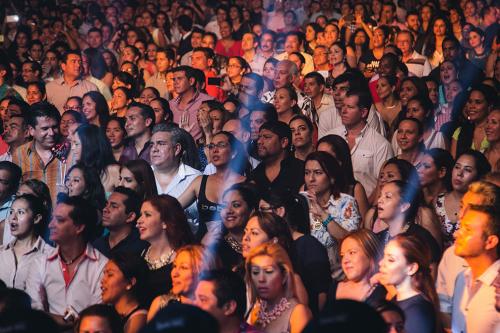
(419, 314)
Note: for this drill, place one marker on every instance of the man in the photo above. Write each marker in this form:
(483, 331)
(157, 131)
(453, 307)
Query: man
(388, 15)
(293, 43)
(249, 45)
(185, 24)
(369, 149)
(286, 74)
(220, 16)
(68, 279)
(250, 92)
(329, 118)
(119, 216)
(139, 121)
(490, 15)
(267, 44)
(413, 23)
(477, 242)
(15, 135)
(10, 176)
(209, 40)
(94, 39)
(203, 59)
(36, 158)
(278, 169)
(165, 59)
(196, 38)
(417, 64)
(185, 107)
(320, 59)
(5, 77)
(70, 84)
(31, 71)
(223, 295)
(170, 163)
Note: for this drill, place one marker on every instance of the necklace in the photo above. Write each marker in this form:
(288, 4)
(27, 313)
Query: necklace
(69, 262)
(233, 243)
(163, 260)
(265, 317)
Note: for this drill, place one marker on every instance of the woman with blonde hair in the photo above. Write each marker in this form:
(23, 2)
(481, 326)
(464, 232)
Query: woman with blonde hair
(275, 308)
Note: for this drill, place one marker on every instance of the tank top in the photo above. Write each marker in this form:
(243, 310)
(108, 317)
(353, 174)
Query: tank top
(207, 210)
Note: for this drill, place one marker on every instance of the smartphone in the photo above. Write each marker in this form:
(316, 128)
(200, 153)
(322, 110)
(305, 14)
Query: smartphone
(11, 18)
(214, 81)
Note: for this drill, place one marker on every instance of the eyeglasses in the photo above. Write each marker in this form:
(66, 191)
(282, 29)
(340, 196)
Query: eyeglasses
(219, 145)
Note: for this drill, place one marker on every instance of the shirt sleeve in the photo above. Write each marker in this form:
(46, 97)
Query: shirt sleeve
(349, 213)
(34, 284)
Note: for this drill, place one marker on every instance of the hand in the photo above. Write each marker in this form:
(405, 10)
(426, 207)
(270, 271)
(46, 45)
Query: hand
(184, 123)
(314, 207)
(226, 83)
(359, 20)
(204, 121)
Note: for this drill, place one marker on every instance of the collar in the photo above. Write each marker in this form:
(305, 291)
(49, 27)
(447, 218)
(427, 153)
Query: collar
(35, 248)
(360, 135)
(186, 34)
(195, 96)
(7, 203)
(325, 99)
(488, 275)
(60, 81)
(90, 253)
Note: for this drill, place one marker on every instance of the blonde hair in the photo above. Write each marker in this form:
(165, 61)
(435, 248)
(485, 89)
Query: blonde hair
(487, 190)
(201, 259)
(280, 258)
(370, 245)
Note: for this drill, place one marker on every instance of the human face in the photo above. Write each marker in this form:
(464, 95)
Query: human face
(415, 110)
(207, 300)
(235, 211)
(476, 107)
(114, 213)
(301, 135)
(439, 28)
(113, 284)
(267, 43)
(336, 55)
(315, 178)
(283, 102)
(388, 13)
(389, 172)
(163, 152)
(253, 236)
(403, 42)
(451, 91)
(247, 86)
(14, 132)
(351, 113)
(294, 58)
(257, 119)
(492, 129)
(475, 40)
(389, 201)
(208, 41)
(151, 52)
(183, 276)
(36, 52)
(282, 76)
(127, 179)
(327, 148)
(33, 94)
(181, 82)
(450, 50)
(355, 263)
(292, 44)
(94, 39)
(407, 135)
(312, 88)
(407, 91)
(62, 228)
(94, 324)
(162, 62)
(447, 72)
(75, 183)
(149, 223)
(220, 153)
(199, 61)
(76, 147)
(225, 30)
(88, 109)
(45, 132)
(248, 42)
(146, 96)
(310, 34)
(413, 22)
(135, 124)
(267, 278)
(394, 268)
(160, 114)
(5, 179)
(464, 172)
(269, 71)
(384, 89)
(339, 92)
(234, 69)
(119, 100)
(268, 144)
(394, 321)
(378, 38)
(115, 133)
(331, 34)
(320, 56)
(472, 239)
(28, 73)
(428, 172)
(360, 38)
(21, 219)
(216, 118)
(73, 65)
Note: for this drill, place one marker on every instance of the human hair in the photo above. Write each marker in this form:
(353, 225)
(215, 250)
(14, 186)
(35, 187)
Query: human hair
(146, 112)
(70, 52)
(272, 61)
(171, 213)
(40, 86)
(300, 56)
(201, 259)
(370, 245)
(305, 119)
(420, 128)
(364, 98)
(275, 227)
(82, 213)
(239, 161)
(185, 22)
(94, 191)
(40, 190)
(280, 258)
(169, 53)
(365, 46)
(442, 159)
(483, 167)
(189, 155)
(269, 111)
(79, 117)
(132, 266)
(15, 174)
(332, 170)
(418, 83)
(293, 70)
(106, 312)
(101, 106)
(165, 106)
(36, 205)
(281, 129)
(343, 156)
(426, 103)
(408, 195)
(317, 77)
(489, 192)
(128, 80)
(96, 149)
(387, 306)
(431, 37)
(257, 79)
(292, 94)
(188, 71)
(207, 52)
(247, 192)
(42, 110)
(144, 177)
(132, 201)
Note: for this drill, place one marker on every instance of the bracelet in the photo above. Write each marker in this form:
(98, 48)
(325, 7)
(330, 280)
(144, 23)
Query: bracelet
(327, 220)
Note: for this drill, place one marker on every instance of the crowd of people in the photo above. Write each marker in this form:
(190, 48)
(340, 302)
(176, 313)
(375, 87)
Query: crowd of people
(250, 166)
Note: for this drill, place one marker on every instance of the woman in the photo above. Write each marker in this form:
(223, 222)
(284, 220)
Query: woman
(338, 148)
(227, 46)
(302, 136)
(471, 133)
(85, 182)
(448, 73)
(116, 134)
(122, 97)
(27, 220)
(457, 21)
(492, 131)
(35, 92)
(69, 120)
(274, 306)
(239, 26)
(469, 167)
(311, 32)
(269, 68)
(123, 285)
(360, 252)
(359, 44)
(285, 102)
(369, 61)
(333, 214)
(409, 140)
(236, 68)
(148, 94)
(389, 105)
(406, 266)
(434, 173)
(471, 13)
(433, 48)
(137, 175)
(158, 36)
(337, 58)
(95, 108)
(478, 53)
(163, 113)
(208, 189)
(410, 87)
(100, 318)
(189, 263)
(164, 226)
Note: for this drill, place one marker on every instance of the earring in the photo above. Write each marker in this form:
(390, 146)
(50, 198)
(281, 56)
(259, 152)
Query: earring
(163, 226)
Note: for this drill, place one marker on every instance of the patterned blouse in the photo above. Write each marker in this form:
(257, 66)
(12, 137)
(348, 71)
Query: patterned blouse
(447, 226)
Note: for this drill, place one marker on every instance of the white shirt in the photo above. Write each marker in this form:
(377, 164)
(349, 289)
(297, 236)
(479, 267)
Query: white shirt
(308, 66)
(15, 270)
(475, 312)
(213, 26)
(329, 118)
(257, 63)
(368, 155)
(48, 290)
(449, 267)
(435, 140)
(4, 213)
(418, 65)
(184, 177)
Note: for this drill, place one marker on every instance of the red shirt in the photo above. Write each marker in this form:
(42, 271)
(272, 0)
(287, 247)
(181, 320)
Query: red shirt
(233, 51)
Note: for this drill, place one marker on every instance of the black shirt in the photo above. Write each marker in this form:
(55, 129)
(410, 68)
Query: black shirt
(419, 313)
(289, 179)
(132, 244)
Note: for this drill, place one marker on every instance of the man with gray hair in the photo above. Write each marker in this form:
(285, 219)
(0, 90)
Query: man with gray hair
(285, 74)
(172, 163)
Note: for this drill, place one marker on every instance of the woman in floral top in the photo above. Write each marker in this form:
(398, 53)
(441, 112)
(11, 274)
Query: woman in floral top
(333, 214)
